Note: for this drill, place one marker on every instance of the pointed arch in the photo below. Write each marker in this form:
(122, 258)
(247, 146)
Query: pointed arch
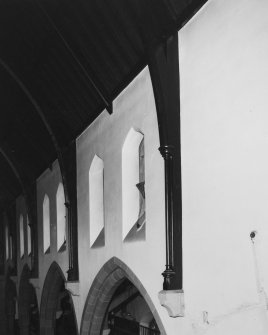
(49, 300)
(52, 289)
(132, 184)
(96, 202)
(61, 217)
(27, 303)
(29, 236)
(7, 241)
(22, 239)
(9, 304)
(46, 224)
(102, 289)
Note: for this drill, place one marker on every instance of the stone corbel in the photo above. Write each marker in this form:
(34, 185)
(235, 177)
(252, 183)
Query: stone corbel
(173, 301)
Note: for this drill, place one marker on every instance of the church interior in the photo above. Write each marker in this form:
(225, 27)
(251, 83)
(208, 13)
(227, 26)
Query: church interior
(133, 167)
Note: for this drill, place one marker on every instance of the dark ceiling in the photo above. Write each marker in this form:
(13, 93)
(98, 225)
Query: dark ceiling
(61, 63)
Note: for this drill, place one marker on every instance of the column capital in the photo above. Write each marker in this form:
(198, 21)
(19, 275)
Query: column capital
(67, 204)
(167, 151)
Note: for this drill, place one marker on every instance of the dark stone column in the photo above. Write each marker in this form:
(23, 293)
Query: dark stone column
(69, 176)
(167, 153)
(31, 201)
(11, 216)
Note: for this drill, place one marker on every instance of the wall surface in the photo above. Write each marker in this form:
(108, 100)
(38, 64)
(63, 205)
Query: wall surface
(144, 257)
(22, 211)
(224, 101)
(47, 184)
(105, 137)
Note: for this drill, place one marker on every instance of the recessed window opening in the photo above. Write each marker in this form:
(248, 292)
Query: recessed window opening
(96, 202)
(7, 241)
(21, 236)
(10, 247)
(29, 237)
(61, 219)
(46, 225)
(141, 187)
(133, 186)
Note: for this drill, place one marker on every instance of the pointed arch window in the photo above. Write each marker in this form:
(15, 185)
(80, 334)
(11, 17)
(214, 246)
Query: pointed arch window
(7, 242)
(133, 186)
(141, 187)
(96, 202)
(21, 221)
(61, 219)
(29, 237)
(10, 247)
(46, 225)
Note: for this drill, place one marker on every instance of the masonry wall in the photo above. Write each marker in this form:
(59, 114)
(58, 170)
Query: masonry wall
(224, 101)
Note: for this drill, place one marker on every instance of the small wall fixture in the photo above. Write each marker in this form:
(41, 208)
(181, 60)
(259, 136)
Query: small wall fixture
(253, 235)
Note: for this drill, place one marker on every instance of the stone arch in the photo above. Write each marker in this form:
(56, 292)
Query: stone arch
(102, 289)
(49, 301)
(9, 304)
(27, 303)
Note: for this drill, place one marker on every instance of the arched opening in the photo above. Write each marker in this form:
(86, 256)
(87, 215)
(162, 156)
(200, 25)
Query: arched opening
(96, 202)
(28, 305)
(21, 236)
(46, 224)
(10, 304)
(7, 241)
(57, 314)
(61, 219)
(29, 237)
(133, 186)
(117, 303)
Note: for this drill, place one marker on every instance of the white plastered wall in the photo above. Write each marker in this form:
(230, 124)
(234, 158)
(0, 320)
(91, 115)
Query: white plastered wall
(96, 201)
(21, 211)
(135, 107)
(224, 118)
(48, 184)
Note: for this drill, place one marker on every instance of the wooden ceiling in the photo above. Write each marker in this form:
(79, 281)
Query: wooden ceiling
(61, 63)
